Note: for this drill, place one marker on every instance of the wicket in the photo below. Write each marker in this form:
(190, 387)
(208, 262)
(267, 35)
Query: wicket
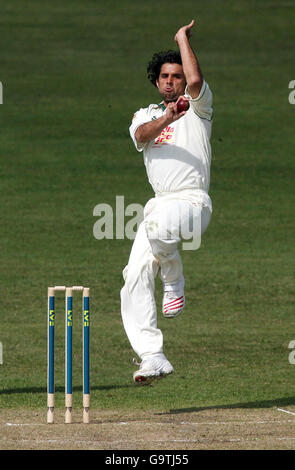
(68, 351)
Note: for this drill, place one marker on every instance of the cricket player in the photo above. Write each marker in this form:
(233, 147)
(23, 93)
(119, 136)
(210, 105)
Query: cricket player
(177, 156)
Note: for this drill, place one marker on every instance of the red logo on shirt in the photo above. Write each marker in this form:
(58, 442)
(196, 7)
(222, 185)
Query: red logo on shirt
(165, 137)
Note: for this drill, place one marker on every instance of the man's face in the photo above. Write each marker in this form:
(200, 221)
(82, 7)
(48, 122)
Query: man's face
(171, 82)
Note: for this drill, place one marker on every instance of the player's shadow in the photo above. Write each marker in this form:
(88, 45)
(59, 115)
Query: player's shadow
(59, 389)
(276, 402)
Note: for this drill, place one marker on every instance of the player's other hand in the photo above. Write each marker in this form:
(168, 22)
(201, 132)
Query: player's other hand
(172, 113)
(184, 31)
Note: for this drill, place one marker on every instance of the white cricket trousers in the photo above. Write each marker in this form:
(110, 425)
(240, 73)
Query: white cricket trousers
(155, 250)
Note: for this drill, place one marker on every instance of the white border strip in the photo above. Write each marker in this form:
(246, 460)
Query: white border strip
(286, 411)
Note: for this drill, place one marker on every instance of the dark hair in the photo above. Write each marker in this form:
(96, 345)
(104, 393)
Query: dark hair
(158, 59)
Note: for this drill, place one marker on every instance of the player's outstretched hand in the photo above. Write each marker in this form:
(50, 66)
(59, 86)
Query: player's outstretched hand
(184, 31)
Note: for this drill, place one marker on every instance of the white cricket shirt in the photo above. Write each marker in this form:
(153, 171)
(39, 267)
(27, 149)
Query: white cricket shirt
(180, 157)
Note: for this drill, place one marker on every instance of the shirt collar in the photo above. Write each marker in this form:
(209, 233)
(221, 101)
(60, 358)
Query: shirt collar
(159, 105)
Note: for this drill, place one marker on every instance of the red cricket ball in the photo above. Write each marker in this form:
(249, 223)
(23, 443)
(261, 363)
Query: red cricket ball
(182, 105)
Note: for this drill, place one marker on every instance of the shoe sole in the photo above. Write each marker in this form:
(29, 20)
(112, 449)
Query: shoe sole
(172, 315)
(147, 380)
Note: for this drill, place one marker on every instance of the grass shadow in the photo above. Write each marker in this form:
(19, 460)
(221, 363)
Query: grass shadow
(278, 402)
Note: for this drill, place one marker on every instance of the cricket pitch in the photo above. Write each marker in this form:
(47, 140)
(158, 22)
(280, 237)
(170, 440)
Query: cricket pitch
(210, 429)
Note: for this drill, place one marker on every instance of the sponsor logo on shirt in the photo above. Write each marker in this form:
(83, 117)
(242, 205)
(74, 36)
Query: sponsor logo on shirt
(166, 136)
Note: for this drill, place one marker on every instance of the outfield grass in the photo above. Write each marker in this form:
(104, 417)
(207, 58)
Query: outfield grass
(73, 74)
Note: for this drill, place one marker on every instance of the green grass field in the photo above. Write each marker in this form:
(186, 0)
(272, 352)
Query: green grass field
(73, 74)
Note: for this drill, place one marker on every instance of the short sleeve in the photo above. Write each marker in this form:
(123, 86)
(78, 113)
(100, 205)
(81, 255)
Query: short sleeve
(202, 105)
(140, 117)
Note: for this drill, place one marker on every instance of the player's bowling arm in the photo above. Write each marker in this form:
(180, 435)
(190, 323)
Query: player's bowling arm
(190, 64)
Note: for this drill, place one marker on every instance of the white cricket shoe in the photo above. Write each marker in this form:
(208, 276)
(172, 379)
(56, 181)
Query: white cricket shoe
(173, 303)
(151, 368)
